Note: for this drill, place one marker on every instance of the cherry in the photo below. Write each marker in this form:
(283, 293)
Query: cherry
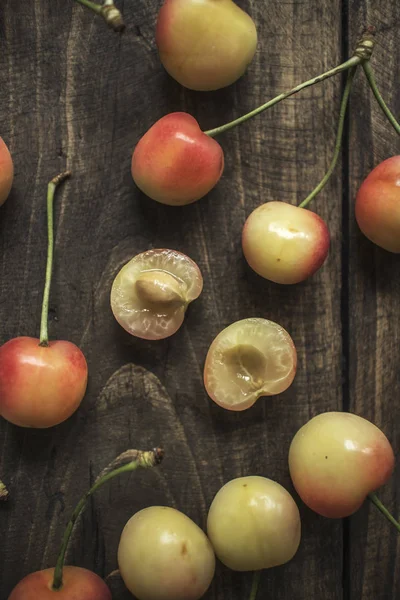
(254, 523)
(176, 163)
(204, 44)
(6, 172)
(74, 583)
(336, 460)
(285, 243)
(378, 205)
(41, 383)
(164, 555)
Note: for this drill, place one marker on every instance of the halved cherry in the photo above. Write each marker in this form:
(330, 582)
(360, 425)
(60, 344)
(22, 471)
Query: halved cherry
(151, 293)
(249, 359)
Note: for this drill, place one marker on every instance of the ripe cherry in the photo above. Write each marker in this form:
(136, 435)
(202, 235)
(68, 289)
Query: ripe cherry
(176, 163)
(336, 460)
(285, 243)
(41, 383)
(378, 205)
(204, 44)
(6, 172)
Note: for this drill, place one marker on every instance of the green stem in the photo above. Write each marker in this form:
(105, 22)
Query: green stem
(108, 11)
(371, 80)
(141, 459)
(51, 188)
(254, 585)
(375, 500)
(362, 53)
(339, 136)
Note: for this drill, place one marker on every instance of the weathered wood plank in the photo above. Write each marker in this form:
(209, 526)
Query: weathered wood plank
(374, 289)
(75, 95)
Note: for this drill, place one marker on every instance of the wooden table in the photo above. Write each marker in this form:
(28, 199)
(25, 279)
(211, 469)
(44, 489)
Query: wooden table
(75, 95)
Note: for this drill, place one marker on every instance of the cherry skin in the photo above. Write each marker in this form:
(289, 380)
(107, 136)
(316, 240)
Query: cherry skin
(378, 205)
(285, 243)
(40, 386)
(6, 172)
(78, 584)
(176, 163)
(204, 44)
(336, 460)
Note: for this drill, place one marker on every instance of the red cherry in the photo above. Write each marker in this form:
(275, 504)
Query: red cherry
(78, 584)
(378, 205)
(175, 162)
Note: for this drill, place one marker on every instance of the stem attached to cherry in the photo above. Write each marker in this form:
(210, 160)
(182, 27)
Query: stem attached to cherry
(371, 80)
(362, 53)
(375, 500)
(254, 585)
(108, 11)
(137, 459)
(339, 136)
(51, 188)
(3, 492)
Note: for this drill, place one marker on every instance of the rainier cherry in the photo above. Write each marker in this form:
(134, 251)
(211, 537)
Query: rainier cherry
(336, 460)
(151, 293)
(163, 555)
(6, 172)
(285, 243)
(176, 163)
(249, 359)
(254, 524)
(205, 44)
(41, 383)
(378, 205)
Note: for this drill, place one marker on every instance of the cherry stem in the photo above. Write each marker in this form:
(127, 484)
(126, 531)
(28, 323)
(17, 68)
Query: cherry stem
(3, 492)
(108, 11)
(375, 500)
(137, 459)
(338, 143)
(51, 188)
(254, 585)
(371, 80)
(362, 53)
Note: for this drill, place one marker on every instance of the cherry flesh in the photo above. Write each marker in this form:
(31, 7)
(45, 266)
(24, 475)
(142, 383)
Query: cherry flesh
(175, 163)
(336, 460)
(78, 584)
(378, 205)
(285, 243)
(204, 44)
(6, 172)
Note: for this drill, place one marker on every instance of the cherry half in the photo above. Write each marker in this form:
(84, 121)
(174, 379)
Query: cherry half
(378, 205)
(336, 460)
(42, 383)
(6, 172)
(74, 583)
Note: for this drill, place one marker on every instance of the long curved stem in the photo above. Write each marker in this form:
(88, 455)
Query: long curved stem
(362, 53)
(138, 459)
(108, 11)
(51, 188)
(375, 500)
(339, 136)
(254, 585)
(371, 80)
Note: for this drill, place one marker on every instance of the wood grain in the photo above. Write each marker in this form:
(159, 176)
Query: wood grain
(74, 95)
(373, 290)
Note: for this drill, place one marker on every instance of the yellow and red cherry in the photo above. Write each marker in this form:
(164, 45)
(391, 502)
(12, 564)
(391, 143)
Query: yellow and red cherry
(254, 523)
(164, 555)
(176, 163)
(151, 293)
(378, 205)
(249, 359)
(205, 44)
(6, 172)
(42, 383)
(285, 243)
(336, 460)
(78, 584)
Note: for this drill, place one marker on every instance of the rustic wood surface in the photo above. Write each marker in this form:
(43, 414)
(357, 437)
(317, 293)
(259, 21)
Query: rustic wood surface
(74, 95)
